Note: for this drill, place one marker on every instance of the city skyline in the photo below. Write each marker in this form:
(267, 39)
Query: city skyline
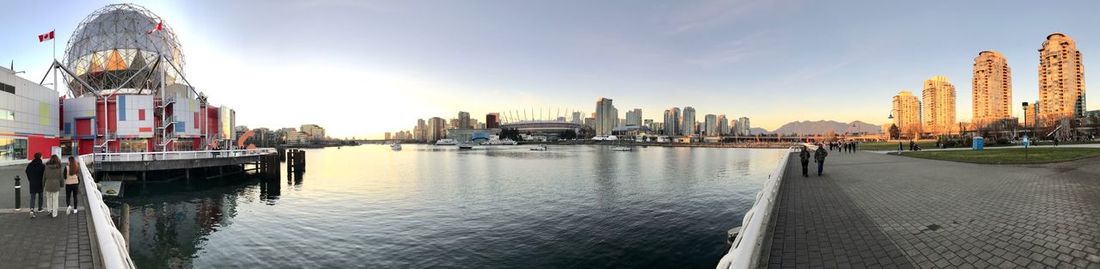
(774, 62)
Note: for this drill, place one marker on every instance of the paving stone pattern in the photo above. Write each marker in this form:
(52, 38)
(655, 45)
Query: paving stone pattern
(873, 210)
(42, 242)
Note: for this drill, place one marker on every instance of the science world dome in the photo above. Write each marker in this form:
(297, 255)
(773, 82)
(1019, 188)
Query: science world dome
(117, 47)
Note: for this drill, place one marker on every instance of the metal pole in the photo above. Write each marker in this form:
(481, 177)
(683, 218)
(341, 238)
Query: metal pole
(18, 192)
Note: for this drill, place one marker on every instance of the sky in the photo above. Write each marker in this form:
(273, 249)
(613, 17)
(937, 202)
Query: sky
(361, 68)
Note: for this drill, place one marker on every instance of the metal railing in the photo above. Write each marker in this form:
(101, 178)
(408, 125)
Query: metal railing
(112, 246)
(746, 248)
(179, 155)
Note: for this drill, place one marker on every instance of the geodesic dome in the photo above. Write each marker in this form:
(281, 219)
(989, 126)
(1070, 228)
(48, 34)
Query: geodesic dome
(117, 42)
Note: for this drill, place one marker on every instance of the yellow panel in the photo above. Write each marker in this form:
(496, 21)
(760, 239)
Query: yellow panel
(43, 113)
(115, 62)
(96, 66)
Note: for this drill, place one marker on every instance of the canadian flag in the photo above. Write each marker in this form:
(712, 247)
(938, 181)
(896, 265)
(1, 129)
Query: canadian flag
(157, 28)
(46, 36)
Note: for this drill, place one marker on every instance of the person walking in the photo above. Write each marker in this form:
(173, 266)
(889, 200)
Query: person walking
(52, 180)
(34, 181)
(72, 187)
(819, 158)
(804, 156)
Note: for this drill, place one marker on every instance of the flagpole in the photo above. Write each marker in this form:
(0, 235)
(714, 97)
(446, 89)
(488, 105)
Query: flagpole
(54, 41)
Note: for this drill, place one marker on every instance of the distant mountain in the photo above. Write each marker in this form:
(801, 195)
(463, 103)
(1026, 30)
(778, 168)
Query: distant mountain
(756, 131)
(824, 126)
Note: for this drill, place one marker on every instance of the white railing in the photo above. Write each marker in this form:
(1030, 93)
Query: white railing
(112, 246)
(179, 155)
(746, 248)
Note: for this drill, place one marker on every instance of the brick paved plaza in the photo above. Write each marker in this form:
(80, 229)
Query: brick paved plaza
(875, 210)
(42, 242)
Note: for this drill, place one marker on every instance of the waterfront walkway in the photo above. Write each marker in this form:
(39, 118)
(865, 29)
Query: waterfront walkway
(43, 242)
(874, 210)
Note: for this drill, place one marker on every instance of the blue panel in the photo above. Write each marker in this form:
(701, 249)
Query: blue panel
(181, 127)
(122, 108)
(68, 127)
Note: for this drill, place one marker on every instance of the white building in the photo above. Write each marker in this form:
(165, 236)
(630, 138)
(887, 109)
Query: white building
(28, 118)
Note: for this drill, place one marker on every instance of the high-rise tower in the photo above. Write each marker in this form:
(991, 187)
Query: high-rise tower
(1061, 78)
(907, 113)
(992, 88)
(939, 105)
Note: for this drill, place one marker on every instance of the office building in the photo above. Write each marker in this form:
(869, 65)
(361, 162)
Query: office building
(688, 123)
(607, 117)
(463, 120)
(723, 125)
(710, 125)
(672, 121)
(634, 117)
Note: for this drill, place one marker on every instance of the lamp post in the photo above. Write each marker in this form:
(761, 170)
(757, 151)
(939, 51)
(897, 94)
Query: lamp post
(1025, 136)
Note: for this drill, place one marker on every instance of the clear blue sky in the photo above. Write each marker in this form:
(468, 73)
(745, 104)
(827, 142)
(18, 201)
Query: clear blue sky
(361, 68)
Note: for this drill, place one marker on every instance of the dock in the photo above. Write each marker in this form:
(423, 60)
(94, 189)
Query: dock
(89, 238)
(875, 210)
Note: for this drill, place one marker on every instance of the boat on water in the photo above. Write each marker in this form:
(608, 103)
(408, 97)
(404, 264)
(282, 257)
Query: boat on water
(622, 148)
(540, 148)
(395, 146)
(495, 142)
(465, 146)
(446, 142)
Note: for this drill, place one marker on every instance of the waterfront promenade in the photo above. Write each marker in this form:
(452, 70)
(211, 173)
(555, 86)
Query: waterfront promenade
(43, 242)
(874, 210)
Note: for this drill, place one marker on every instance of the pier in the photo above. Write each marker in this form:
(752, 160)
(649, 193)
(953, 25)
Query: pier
(89, 238)
(875, 210)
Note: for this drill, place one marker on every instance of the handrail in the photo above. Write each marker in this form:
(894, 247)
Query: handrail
(745, 249)
(112, 246)
(180, 155)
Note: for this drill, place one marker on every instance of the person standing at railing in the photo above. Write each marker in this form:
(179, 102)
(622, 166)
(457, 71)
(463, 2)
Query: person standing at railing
(34, 182)
(72, 186)
(52, 180)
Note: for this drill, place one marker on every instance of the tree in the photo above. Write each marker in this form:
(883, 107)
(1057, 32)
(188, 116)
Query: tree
(569, 135)
(512, 134)
(895, 132)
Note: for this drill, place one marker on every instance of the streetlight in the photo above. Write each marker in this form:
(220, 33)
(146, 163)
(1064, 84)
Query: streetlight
(1025, 136)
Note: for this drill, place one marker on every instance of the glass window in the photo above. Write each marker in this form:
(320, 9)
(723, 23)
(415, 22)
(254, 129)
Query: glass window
(13, 148)
(7, 115)
(133, 145)
(7, 88)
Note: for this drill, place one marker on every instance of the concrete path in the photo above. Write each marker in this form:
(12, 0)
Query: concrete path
(994, 148)
(873, 210)
(43, 242)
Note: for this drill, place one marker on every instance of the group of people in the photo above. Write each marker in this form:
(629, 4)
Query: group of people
(819, 157)
(49, 179)
(844, 146)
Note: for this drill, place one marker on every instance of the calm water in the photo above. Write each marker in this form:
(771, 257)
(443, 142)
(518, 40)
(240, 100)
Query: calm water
(502, 207)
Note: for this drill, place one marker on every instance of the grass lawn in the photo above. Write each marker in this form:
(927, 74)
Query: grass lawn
(1009, 156)
(894, 145)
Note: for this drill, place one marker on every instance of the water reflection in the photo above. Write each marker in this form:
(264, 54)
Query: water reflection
(169, 222)
(498, 207)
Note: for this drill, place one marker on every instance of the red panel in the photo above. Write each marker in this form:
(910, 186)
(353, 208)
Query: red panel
(40, 144)
(198, 120)
(141, 114)
(83, 127)
(112, 117)
(85, 146)
(145, 129)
